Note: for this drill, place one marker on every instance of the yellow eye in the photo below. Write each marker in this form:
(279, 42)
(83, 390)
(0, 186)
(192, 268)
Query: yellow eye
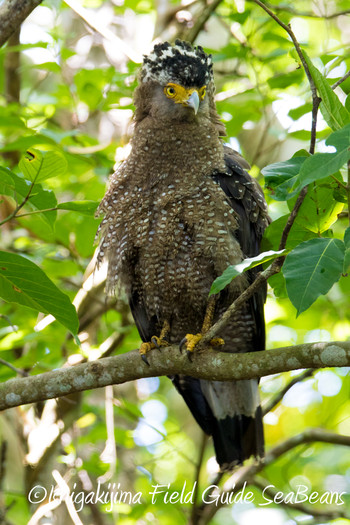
(170, 91)
(202, 92)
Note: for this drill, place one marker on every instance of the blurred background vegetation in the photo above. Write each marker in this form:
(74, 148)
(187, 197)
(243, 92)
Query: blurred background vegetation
(66, 84)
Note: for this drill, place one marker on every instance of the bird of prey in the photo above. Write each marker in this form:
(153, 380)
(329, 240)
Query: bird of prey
(178, 212)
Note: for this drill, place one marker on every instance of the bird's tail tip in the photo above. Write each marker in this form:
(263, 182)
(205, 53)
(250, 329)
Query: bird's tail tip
(238, 438)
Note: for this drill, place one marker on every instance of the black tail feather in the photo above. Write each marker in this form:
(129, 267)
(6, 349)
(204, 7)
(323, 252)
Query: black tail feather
(237, 438)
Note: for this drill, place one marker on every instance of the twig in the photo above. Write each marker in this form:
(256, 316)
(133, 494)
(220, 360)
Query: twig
(192, 34)
(292, 218)
(270, 405)
(17, 370)
(341, 80)
(208, 364)
(109, 454)
(104, 31)
(194, 513)
(307, 14)
(249, 292)
(19, 206)
(315, 98)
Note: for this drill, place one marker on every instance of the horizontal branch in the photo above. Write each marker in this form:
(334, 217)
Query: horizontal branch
(207, 364)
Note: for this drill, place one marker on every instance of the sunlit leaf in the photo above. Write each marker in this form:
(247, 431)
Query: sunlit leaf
(311, 269)
(232, 271)
(23, 282)
(281, 177)
(334, 113)
(38, 165)
(321, 165)
(318, 211)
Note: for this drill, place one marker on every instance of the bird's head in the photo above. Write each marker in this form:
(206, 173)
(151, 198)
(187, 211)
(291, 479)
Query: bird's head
(176, 81)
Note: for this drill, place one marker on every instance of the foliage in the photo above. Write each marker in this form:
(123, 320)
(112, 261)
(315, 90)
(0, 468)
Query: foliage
(58, 141)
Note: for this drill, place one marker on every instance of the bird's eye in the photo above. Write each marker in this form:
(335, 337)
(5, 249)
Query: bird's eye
(170, 91)
(202, 92)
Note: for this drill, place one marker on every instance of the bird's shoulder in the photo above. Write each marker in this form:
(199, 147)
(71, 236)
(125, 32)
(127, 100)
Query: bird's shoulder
(246, 198)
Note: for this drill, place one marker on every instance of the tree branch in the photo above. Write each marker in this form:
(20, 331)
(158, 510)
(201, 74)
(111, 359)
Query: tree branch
(270, 405)
(12, 14)
(208, 364)
(307, 14)
(202, 18)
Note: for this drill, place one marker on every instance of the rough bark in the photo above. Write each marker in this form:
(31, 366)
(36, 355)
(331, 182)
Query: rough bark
(207, 364)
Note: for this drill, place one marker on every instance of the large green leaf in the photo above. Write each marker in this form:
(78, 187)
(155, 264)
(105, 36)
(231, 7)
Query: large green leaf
(322, 165)
(23, 282)
(319, 209)
(7, 183)
(281, 177)
(41, 165)
(311, 269)
(334, 113)
(232, 271)
(39, 199)
(273, 233)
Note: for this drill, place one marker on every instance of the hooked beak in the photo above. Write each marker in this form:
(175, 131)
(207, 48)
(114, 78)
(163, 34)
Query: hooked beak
(193, 101)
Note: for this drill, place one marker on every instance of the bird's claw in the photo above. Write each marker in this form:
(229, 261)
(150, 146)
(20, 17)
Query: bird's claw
(144, 359)
(182, 344)
(190, 341)
(156, 342)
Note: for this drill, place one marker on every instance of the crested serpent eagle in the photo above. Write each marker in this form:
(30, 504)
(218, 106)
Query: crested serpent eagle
(179, 210)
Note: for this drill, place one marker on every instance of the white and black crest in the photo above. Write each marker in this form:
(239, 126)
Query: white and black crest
(181, 63)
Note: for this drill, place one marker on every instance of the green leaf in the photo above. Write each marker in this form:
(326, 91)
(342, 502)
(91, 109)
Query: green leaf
(232, 271)
(41, 165)
(321, 165)
(7, 183)
(347, 250)
(334, 113)
(39, 199)
(347, 237)
(319, 210)
(85, 207)
(273, 233)
(281, 177)
(311, 269)
(23, 282)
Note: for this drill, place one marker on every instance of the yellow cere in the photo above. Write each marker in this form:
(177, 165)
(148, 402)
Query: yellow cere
(181, 94)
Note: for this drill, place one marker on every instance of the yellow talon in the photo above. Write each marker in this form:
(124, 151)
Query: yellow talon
(192, 341)
(146, 347)
(217, 341)
(156, 342)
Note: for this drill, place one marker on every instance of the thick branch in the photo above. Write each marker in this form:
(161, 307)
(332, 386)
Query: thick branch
(208, 364)
(12, 14)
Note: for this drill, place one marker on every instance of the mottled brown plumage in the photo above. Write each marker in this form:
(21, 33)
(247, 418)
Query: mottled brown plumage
(178, 211)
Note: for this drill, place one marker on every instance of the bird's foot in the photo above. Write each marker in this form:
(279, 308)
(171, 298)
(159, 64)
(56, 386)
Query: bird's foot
(155, 342)
(190, 341)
